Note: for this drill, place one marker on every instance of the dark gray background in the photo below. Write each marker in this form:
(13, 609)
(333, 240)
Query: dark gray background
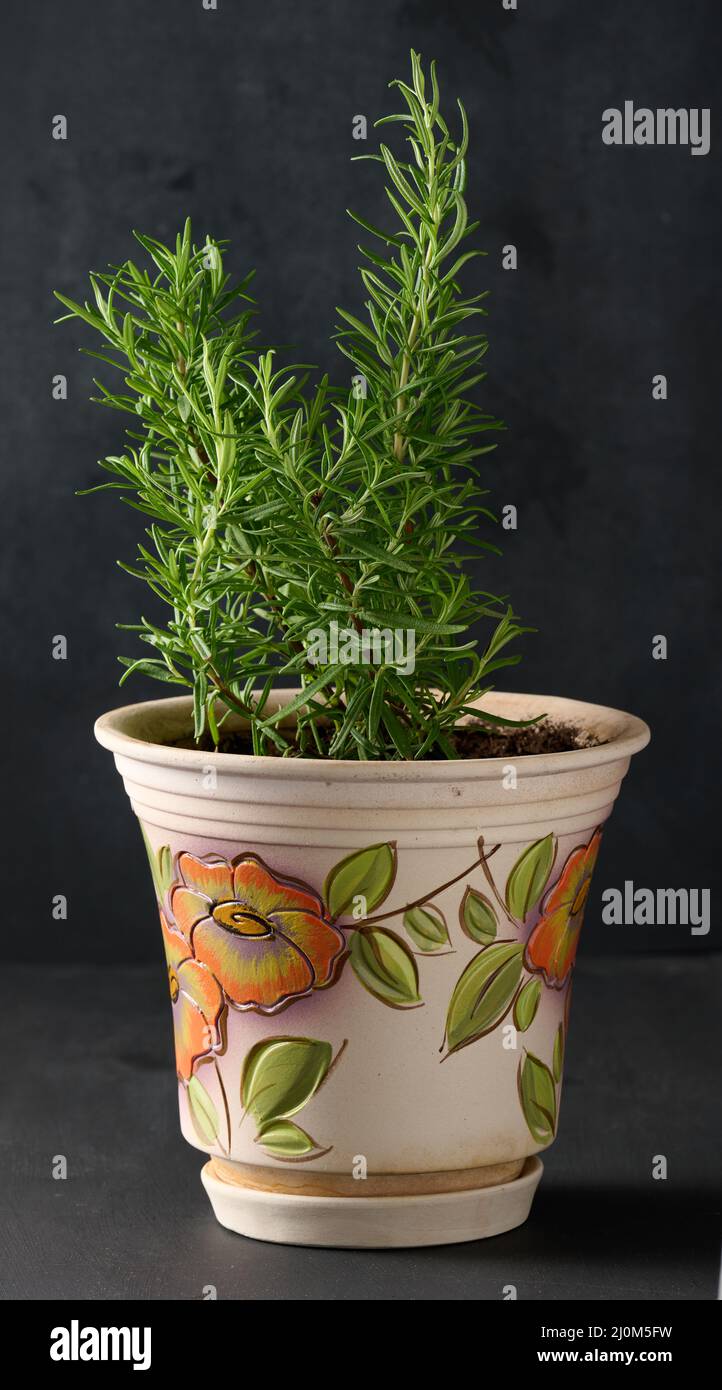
(131, 1221)
(242, 118)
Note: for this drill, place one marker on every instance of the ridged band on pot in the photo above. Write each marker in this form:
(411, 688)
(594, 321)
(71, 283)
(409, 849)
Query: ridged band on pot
(278, 801)
(370, 963)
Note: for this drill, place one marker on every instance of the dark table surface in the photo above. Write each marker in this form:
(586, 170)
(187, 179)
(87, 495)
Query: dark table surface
(87, 1075)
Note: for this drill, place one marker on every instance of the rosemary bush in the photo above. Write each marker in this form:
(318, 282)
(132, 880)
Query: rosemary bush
(279, 506)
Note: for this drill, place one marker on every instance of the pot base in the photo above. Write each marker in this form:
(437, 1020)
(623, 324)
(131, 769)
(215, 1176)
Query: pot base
(436, 1218)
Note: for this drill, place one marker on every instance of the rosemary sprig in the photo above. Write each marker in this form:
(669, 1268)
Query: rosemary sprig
(277, 506)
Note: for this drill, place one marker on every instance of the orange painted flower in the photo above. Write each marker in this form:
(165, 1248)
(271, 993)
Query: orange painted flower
(266, 939)
(197, 1003)
(552, 946)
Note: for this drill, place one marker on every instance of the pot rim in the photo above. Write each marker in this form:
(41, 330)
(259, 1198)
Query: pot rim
(132, 731)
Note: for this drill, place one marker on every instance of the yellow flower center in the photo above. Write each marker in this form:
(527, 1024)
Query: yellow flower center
(173, 984)
(581, 897)
(236, 918)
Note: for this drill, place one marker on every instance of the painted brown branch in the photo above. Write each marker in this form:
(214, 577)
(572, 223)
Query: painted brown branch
(419, 902)
(334, 1063)
(225, 1102)
(490, 880)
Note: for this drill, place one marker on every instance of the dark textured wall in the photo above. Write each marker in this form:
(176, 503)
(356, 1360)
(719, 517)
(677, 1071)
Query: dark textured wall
(242, 118)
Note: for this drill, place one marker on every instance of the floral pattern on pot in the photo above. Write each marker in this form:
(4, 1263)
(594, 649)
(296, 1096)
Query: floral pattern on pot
(197, 1002)
(552, 946)
(495, 983)
(237, 932)
(266, 939)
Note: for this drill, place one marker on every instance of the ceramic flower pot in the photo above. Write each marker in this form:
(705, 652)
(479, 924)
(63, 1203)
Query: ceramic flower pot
(370, 969)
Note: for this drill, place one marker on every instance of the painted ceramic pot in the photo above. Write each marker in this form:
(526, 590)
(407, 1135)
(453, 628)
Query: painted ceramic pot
(370, 968)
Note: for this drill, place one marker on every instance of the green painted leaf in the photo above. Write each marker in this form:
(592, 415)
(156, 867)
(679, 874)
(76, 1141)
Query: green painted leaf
(151, 860)
(369, 873)
(385, 966)
(558, 1058)
(538, 1097)
(567, 1006)
(426, 927)
(161, 866)
(529, 876)
(284, 1139)
(483, 993)
(203, 1112)
(281, 1074)
(526, 1005)
(477, 917)
(164, 860)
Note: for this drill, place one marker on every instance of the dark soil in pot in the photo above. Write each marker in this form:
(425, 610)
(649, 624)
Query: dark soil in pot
(474, 740)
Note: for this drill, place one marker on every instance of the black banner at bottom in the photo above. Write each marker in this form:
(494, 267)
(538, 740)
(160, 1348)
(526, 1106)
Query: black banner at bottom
(157, 1337)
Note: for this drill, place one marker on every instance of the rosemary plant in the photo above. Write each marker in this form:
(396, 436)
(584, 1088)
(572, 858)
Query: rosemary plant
(282, 509)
